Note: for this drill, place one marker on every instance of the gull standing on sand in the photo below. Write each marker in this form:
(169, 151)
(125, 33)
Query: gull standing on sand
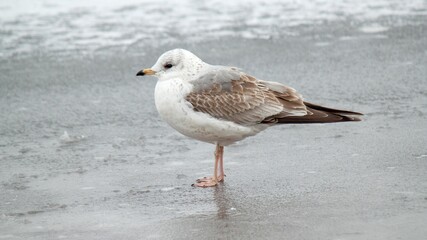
(222, 105)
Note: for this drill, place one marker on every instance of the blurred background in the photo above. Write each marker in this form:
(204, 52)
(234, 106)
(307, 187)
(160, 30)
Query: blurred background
(95, 26)
(84, 154)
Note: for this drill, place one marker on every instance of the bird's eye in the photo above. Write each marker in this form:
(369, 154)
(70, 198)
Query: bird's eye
(168, 65)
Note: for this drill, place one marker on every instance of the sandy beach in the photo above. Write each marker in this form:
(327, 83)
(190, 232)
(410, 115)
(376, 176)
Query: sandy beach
(84, 154)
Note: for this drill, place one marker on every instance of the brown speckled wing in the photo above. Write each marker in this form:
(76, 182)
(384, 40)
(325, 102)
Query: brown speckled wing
(244, 100)
(226, 93)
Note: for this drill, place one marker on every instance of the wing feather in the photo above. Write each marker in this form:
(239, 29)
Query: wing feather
(231, 95)
(228, 94)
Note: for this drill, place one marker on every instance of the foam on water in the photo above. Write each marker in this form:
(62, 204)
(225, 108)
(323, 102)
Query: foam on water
(66, 138)
(374, 28)
(88, 26)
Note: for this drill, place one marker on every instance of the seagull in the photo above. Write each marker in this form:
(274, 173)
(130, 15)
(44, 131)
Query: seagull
(222, 105)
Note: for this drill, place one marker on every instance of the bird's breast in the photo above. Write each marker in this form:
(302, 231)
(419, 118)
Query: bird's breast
(170, 100)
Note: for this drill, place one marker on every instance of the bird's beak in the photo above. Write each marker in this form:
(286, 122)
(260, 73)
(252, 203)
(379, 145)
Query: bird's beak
(146, 71)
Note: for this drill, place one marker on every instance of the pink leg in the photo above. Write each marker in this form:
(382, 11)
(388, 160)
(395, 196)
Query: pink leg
(221, 164)
(213, 181)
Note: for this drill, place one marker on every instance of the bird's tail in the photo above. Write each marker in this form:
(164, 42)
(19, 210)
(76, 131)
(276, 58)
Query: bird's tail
(320, 114)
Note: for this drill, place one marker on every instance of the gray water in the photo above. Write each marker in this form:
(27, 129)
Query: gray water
(84, 154)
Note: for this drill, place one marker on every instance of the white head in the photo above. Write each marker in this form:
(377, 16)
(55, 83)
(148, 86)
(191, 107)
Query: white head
(176, 63)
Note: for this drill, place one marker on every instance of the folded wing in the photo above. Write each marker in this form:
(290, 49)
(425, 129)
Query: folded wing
(228, 94)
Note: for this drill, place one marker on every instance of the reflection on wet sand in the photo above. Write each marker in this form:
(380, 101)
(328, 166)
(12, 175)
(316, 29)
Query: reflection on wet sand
(222, 201)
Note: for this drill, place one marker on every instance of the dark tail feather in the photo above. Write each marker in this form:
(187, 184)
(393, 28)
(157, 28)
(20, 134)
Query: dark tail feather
(321, 114)
(331, 110)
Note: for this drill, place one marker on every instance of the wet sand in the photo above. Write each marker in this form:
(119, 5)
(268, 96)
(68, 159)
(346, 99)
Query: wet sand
(84, 154)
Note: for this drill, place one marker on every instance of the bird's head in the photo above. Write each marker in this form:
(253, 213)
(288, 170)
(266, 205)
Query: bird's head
(176, 63)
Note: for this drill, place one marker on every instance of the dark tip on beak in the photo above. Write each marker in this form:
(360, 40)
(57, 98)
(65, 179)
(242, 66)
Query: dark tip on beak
(140, 73)
(147, 71)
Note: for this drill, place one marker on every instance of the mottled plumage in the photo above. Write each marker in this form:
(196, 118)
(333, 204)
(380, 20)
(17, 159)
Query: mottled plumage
(228, 94)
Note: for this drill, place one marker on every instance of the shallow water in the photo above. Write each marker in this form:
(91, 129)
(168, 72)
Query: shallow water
(91, 26)
(84, 155)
